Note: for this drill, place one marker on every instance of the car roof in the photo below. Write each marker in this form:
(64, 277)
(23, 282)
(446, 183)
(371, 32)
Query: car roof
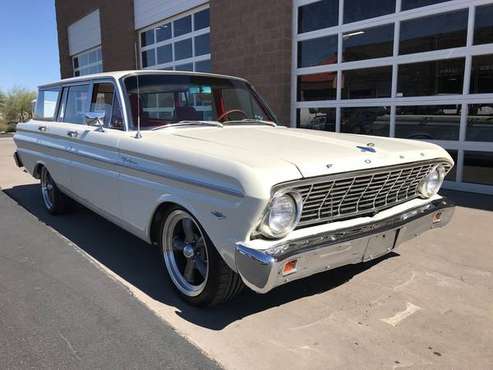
(121, 74)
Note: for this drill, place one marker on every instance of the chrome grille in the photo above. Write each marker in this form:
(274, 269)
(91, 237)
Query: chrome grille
(347, 195)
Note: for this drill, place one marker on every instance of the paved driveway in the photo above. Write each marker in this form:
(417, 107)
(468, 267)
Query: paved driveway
(430, 306)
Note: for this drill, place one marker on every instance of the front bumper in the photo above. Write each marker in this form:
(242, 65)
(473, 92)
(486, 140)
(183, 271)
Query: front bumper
(262, 270)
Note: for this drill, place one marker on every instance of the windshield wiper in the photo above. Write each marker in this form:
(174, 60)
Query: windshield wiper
(250, 120)
(190, 123)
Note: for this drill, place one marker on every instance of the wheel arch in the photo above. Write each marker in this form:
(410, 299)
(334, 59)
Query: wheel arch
(157, 218)
(37, 169)
(163, 205)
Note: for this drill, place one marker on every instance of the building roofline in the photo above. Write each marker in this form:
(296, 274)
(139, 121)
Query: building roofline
(122, 74)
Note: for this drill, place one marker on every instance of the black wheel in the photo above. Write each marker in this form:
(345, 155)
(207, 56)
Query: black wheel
(54, 200)
(197, 271)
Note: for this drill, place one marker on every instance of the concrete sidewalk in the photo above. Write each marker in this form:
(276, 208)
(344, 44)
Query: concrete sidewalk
(429, 307)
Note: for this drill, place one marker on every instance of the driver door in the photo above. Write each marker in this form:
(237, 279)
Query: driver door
(95, 175)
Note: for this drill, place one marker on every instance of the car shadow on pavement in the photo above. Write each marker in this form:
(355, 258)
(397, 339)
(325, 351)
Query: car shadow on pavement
(470, 200)
(140, 264)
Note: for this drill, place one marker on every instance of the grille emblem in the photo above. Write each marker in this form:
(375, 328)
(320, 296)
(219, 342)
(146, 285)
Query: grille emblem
(366, 149)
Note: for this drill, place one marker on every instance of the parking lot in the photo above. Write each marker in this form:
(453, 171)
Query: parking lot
(428, 306)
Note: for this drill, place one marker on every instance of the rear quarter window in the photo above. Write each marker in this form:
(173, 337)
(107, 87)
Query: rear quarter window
(46, 104)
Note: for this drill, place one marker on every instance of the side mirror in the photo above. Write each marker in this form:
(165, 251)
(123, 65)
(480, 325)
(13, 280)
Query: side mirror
(95, 119)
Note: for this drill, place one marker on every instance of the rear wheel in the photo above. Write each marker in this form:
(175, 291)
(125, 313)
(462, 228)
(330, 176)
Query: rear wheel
(54, 200)
(197, 271)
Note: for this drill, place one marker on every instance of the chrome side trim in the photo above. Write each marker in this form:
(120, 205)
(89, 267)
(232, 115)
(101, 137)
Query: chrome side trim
(135, 165)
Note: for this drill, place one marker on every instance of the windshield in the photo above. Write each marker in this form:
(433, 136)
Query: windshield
(167, 99)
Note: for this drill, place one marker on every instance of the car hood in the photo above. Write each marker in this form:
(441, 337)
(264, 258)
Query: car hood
(313, 152)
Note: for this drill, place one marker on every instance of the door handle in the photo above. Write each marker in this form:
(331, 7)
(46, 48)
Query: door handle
(73, 133)
(42, 128)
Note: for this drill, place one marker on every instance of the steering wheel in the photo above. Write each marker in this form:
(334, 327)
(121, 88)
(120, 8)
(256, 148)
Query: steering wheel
(226, 114)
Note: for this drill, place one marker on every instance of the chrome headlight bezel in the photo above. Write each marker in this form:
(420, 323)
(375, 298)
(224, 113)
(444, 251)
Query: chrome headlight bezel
(265, 228)
(436, 174)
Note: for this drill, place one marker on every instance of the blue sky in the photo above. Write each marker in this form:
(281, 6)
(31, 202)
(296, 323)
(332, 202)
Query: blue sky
(28, 43)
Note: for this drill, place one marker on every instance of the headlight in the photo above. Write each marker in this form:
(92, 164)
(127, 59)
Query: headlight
(430, 185)
(282, 215)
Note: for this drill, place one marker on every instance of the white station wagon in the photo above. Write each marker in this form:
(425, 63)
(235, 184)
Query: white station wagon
(198, 165)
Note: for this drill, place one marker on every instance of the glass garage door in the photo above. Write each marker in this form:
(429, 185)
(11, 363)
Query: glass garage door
(417, 69)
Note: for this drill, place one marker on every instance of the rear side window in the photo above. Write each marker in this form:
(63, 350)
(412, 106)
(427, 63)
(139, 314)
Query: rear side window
(77, 104)
(46, 104)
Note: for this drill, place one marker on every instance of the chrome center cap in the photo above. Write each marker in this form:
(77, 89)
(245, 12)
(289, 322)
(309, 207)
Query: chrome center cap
(188, 251)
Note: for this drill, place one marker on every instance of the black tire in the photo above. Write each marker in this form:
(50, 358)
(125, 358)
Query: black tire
(221, 285)
(54, 201)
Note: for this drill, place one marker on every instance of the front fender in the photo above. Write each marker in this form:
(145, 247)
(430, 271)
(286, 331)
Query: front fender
(225, 220)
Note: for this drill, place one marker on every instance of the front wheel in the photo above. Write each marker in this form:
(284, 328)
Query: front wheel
(54, 200)
(197, 271)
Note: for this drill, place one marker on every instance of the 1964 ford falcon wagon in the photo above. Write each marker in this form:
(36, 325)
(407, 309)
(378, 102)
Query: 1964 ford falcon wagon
(196, 164)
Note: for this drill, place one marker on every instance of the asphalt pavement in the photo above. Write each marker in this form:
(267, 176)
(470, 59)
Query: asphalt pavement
(60, 310)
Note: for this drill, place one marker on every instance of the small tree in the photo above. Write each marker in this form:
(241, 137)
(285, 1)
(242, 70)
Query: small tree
(2, 102)
(16, 106)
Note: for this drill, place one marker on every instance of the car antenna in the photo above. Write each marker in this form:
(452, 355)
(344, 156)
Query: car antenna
(138, 135)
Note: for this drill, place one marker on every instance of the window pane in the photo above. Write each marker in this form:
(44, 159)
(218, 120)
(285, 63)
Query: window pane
(317, 118)
(163, 32)
(320, 86)
(369, 43)
(201, 19)
(482, 74)
(452, 175)
(77, 104)
(356, 10)
(202, 46)
(204, 66)
(93, 56)
(183, 25)
(431, 78)
(83, 59)
(185, 67)
(315, 16)
(148, 58)
(367, 83)
(102, 100)
(76, 62)
(483, 26)
(478, 168)
(183, 49)
(147, 38)
(480, 123)
(46, 104)
(442, 31)
(165, 54)
(117, 116)
(317, 51)
(411, 4)
(430, 122)
(366, 121)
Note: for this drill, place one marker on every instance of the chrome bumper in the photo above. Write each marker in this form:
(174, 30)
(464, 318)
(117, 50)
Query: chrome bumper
(263, 270)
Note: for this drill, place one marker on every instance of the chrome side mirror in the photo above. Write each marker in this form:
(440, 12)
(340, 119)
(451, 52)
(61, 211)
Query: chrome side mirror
(95, 119)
